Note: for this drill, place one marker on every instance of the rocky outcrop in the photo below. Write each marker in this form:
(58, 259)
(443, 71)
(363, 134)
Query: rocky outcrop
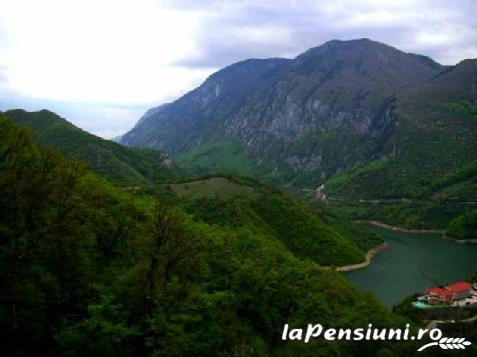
(324, 111)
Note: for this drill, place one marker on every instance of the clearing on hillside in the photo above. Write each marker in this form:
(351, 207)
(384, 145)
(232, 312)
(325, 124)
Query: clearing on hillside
(214, 187)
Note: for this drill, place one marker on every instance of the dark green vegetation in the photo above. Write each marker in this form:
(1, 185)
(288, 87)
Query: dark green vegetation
(464, 226)
(121, 165)
(464, 107)
(90, 269)
(244, 203)
(219, 157)
(109, 262)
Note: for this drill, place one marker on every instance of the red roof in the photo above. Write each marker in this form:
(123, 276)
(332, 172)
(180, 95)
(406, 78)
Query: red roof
(459, 287)
(439, 291)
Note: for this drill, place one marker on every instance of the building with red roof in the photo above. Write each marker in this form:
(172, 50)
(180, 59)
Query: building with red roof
(459, 287)
(449, 293)
(438, 294)
(460, 290)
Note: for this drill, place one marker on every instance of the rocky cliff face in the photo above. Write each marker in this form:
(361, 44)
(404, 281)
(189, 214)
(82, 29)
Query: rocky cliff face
(305, 119)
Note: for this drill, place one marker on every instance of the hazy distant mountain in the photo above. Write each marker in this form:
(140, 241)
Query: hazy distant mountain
(296, 120)
(120, 164)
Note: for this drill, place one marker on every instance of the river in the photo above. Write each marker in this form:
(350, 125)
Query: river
(413, 262)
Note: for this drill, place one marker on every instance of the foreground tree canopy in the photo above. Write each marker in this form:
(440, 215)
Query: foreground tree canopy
(91, 269)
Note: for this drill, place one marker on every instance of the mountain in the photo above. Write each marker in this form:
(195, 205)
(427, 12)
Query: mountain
(120, 164)
(430, 159)
(295, 121)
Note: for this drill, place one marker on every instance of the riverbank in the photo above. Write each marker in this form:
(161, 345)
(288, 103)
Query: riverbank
(461, 241)
(423, 231)
(433, 323)
(406, 267)
(369, 256)
(372, 252)
(401, 229)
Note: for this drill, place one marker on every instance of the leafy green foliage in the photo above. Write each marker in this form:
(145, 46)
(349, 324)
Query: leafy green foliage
(218, 157)
(213, 187)
(464, 226)
(262, 209)
(359, 172)
(89, 269)
(120, 164)
(464, 107)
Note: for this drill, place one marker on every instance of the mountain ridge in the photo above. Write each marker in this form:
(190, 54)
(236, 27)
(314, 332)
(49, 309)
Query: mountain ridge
(430, 158)
(292, 117)
(122, 165)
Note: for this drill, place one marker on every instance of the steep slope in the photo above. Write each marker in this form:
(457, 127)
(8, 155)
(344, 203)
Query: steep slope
(120, 164)
(295, 121)
(194, 118)
(245, 203)
(89, 269)
(431, 157)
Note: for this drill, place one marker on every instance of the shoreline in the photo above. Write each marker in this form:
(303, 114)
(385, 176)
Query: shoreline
(374, 251)
(418, 231)
(460, 241)
(400, 229)
(369, 256)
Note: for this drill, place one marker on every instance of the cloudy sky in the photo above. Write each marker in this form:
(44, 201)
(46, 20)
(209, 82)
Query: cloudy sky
(102, 63)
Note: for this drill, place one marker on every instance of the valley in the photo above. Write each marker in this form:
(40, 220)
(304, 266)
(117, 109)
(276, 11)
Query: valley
(370, 122)
(240, 207)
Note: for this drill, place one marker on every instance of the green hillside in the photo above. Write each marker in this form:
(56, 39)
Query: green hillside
(238, 202)
(90, 269)
(120, 164)
(430, 160)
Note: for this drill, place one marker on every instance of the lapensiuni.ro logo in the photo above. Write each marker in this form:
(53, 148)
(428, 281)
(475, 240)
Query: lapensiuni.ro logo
(375, 334)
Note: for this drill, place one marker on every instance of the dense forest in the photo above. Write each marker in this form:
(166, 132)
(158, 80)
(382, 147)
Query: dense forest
(124, 166)
(92, 269)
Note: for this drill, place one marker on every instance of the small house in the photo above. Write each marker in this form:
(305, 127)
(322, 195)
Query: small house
(460, 290)
(439, 295)
(449, 293)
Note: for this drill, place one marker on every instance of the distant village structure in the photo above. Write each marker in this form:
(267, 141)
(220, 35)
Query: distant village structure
(320, 193)
(456, 294)
(450, 293)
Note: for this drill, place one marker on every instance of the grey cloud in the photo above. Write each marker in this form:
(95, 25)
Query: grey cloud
(222, 40)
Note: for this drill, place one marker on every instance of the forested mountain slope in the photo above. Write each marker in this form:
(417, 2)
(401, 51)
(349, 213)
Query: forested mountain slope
(371, 122)
(431, 157)
(89, 269)
(126, 166)
(245, 203)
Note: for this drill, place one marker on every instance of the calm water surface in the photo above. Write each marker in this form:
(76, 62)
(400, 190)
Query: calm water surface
(413, 262)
